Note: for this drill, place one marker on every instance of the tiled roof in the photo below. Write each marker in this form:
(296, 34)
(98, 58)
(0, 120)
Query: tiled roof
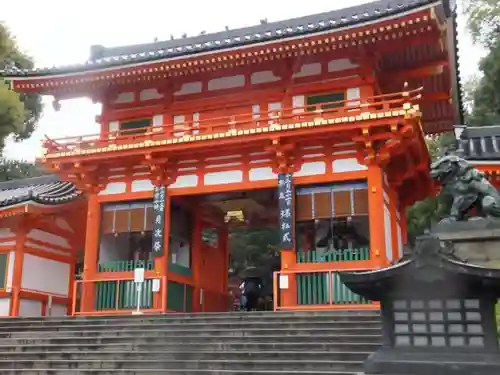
(265, 32)
(480, 143)
(46, 190)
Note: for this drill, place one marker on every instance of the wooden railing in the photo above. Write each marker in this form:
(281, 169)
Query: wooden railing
(315, 290)
(250, 121)
(119, 296)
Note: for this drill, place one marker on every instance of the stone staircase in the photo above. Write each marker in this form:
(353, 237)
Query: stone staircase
(260, 343)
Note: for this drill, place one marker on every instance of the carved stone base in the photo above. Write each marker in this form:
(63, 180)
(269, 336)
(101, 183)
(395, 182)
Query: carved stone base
(476, 241)
(413, 362)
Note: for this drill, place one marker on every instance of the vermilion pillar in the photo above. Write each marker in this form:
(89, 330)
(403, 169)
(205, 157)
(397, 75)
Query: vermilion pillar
(376, 215)
(161, 262)
(17, 276)
(91, 251)
(288, 297)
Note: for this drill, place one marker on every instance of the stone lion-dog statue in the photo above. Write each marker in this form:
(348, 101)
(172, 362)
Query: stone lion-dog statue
(464, 188)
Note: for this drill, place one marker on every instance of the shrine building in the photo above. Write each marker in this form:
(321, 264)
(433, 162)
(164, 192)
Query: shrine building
(480, 145)
(313, 126)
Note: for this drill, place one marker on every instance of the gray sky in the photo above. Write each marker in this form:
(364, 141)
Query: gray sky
(58, 32)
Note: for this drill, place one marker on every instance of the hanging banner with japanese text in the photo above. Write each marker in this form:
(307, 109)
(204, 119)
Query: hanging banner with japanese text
(159, 199)
(285, 204)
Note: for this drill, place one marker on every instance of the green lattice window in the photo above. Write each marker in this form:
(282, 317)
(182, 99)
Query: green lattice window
(135, 126)
(314, 100)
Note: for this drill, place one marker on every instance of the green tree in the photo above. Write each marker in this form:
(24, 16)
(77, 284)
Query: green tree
(252, 247)
(481, 96)
(422, 214)
(19, 113)
(483, 93)
(16, 169)
(483, 20)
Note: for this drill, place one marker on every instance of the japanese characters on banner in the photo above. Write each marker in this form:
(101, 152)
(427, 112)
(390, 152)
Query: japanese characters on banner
(285, 204)
(158, 220)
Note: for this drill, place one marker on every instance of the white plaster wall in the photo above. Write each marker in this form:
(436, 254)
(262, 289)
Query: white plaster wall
(149, 94)
(10, 270)
(348, 165)
(49, 238)
(6, 232)
(113, 126)
(57, 310)
(400, 240)
(4, 306)
(388, 233)
(178, 124)
(307, 70)
(190, 88)
(141, 185)
(273, 110)
(196, 123)
(114, 188)
(261, 173)
(311, 169)
(353, 94)
(29, 307)
(157, 120)
(125, 97)
(263, 77)
(298, 103)
(63, 224)
(225, 177)
(226, 82)
(189, 180)
(340, 64)
(45, 275)
(255, 111)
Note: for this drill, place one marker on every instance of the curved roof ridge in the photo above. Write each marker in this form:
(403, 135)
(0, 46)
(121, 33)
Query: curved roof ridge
(102, 57)
(31, 181)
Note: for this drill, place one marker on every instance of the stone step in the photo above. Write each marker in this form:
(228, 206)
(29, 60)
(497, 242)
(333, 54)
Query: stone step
(6, 331)
(255, 364)
(196, 346)
(203, 315)
(360, 320)
(156, 355)
(170, 372)
(208, 331)
(184, 338)
(184, 318)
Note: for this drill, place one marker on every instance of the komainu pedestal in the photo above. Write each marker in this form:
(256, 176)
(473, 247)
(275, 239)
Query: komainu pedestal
(438, 313)
(476, 241)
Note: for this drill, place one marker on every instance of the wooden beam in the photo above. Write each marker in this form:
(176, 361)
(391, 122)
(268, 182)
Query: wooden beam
(428, 97)
(430, 69)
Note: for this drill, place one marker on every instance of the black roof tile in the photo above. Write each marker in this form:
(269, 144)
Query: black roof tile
(46, 190)
(116, 56)
(480, 143)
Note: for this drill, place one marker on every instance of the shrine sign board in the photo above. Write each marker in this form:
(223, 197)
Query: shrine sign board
(285, 204)
(159, 199)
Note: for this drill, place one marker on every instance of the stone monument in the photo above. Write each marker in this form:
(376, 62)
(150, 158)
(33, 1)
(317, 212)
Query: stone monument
(438, 302)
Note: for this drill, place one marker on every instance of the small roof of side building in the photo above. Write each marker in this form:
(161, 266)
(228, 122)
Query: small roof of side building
(480, 143)
(41, 191)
